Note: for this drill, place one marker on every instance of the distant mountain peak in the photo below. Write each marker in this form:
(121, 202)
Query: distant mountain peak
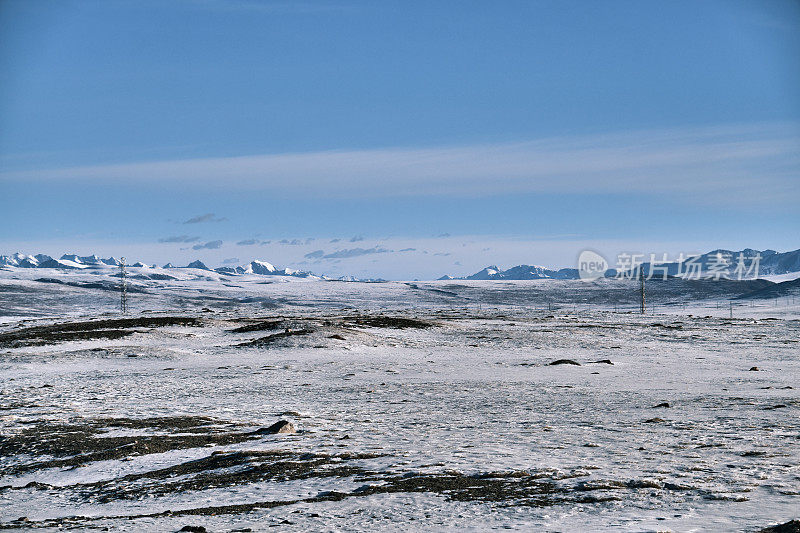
(522, 272)
(260, 267)
(197, 264)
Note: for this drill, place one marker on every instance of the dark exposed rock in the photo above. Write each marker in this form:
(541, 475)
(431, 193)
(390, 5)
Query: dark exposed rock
(667, 326)
(102, 285)
(655, 420)
(564, 362)
(227, 469)
(260, 326)
(52, 445)
(753, 369)
(94, 329)
(263, 341)
(281, 426)
(662, 404)
(603, 361)
(391, 322)
(792, 526)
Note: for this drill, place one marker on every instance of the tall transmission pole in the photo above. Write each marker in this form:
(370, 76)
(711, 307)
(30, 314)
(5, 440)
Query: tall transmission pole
(123, 302)
(641, 289)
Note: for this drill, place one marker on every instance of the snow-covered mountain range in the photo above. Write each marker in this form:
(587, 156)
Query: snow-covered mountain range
(717, 263)
(93, 262)
(521, 272)
(724, 262)
(766, 262)
(67, 261)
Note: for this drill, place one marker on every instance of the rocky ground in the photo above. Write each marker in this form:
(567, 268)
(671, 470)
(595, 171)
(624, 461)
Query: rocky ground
(366, 406)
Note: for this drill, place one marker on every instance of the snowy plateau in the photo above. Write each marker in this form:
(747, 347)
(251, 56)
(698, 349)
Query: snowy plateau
(239, 401)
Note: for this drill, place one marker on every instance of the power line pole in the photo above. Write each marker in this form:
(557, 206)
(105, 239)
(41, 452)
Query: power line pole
(123, 303)
(641, 289)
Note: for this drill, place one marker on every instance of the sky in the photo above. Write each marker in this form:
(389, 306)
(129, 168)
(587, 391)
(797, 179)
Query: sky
(402, 139)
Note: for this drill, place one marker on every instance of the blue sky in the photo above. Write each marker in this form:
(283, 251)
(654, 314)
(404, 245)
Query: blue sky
(472, 132)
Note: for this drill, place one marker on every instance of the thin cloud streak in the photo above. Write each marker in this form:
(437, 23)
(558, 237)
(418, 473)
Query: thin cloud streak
(758, 163)
(211, 245)
(179, 238)
(350, 252)
(208, 217)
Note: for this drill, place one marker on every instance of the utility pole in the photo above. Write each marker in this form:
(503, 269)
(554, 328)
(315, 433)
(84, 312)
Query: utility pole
(641, 289)
(123, 303)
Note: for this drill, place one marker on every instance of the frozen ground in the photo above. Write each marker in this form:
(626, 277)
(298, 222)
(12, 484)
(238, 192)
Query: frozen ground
(419, 406)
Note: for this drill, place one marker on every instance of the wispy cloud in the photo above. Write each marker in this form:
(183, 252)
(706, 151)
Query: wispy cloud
(316, 254)
(230, 261)
(179, 238)
(211, 245)
(732, 164)
(247, 242)
(357, 238)
(354, 252)
(208, 217)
